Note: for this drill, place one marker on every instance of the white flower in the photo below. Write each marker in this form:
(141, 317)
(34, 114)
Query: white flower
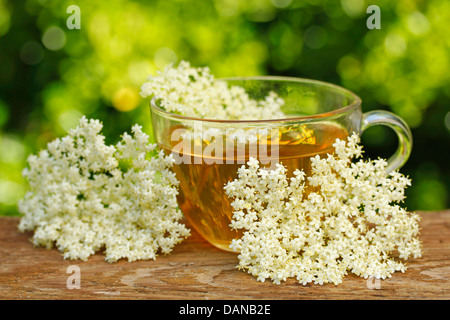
(85, 196)
(352, 224)
(194, 92)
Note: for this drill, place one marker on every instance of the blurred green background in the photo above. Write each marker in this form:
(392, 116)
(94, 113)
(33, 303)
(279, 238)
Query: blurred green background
(51, 75)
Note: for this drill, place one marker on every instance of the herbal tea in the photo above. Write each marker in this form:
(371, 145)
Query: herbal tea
(307, 116)
(202, 179)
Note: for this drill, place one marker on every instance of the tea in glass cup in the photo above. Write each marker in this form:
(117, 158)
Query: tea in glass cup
(208, 152)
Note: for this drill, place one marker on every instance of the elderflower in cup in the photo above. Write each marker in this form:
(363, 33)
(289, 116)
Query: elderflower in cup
(213, 127)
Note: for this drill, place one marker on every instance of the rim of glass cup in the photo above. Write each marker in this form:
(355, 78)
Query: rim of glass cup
(342, 110)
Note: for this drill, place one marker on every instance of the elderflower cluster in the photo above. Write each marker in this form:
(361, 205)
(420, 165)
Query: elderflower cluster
(353, 223)
(194, 92)
(86, 196)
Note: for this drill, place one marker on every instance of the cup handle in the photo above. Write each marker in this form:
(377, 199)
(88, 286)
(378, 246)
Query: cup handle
(399, 158)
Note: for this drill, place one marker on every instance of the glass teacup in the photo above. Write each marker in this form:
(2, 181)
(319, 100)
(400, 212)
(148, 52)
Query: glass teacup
(209, 152)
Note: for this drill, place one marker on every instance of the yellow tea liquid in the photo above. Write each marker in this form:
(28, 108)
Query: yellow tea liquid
(202, 197)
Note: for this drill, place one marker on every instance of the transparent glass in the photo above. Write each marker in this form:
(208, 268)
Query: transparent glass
(208, 152)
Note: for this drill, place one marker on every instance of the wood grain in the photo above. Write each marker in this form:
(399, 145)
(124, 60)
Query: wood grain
(196, 270)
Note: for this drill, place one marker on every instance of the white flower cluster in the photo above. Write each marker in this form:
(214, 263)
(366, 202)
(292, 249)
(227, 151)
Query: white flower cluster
(85, 196)
(352, 224)
(194, 92)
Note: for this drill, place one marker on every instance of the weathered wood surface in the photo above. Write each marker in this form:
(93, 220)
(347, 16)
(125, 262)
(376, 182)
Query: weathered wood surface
(196, 270)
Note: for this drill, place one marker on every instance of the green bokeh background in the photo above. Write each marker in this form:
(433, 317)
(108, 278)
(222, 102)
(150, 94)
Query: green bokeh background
(50, 75)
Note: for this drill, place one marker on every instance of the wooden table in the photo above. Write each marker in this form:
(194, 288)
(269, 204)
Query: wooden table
(196, 270)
